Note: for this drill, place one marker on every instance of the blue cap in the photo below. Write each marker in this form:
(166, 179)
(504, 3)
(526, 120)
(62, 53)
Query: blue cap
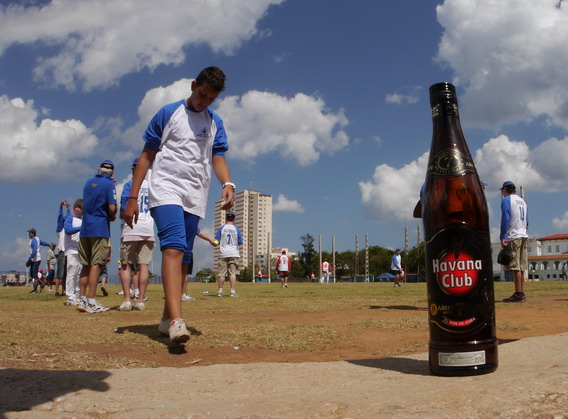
(107, 164)
(397, 250)
(508, 183)
(231, 213)
(135, 162)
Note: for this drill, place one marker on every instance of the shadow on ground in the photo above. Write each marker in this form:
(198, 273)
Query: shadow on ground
(399, 307)
(25, 389)
(151, 331)
(402, 365)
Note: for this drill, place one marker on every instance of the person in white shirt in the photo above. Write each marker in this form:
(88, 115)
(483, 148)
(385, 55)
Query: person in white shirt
(72, 228)
(283, 267)
(326, 270)
(230, 238)
(514, 225)
(396, 268)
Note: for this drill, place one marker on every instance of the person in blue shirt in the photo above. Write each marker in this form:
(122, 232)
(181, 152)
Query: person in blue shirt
(99, 209)
(34, 258)
(514, 225)
(184, 142)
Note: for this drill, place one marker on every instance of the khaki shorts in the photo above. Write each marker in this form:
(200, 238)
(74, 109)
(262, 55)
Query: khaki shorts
(228, 265)
(136, 252)
(519, 262)
(94, 250)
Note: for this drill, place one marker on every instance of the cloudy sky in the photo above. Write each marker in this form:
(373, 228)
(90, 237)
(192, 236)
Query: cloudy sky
(326, 107)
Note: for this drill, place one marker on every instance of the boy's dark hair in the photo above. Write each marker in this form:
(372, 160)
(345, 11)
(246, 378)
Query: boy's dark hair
(78, 203)
(230, 216)
(511, 189)
(214, 76)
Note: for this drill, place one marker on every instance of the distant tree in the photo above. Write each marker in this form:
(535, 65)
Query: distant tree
(245, 275)
(307, 256)
(206, 275)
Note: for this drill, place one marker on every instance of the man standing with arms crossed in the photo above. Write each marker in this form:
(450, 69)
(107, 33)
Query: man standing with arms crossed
(99, 209)
(514, 224)
(183, 142)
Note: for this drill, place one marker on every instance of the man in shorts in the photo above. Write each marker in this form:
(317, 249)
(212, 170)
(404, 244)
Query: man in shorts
(137, 246)
(514, 225)
(230, 238)
(396, 268)
(99, 209)
(184, 142)
(283, 267)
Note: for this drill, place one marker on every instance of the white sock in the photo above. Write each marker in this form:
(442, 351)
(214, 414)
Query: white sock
(92, 301)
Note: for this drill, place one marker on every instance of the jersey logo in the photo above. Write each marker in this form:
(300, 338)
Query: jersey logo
(204, 133)
(94, 185)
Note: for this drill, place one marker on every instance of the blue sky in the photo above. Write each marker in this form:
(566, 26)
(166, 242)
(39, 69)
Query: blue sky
(326, 107)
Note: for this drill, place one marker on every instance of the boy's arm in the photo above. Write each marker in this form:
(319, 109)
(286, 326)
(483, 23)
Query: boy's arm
(69, 229)
(224, 175)
(33, 249)
(144, 162)
(43, 243)
(124, 198)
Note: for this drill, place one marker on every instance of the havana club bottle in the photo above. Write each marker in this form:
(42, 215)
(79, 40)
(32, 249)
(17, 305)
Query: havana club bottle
(459, 270)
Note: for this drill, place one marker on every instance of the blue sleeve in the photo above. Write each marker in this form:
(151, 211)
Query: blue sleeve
(218, 234)
(220, 143)
(155, 129)
(111, 193)
(34, 249)
(239, 236)
(69, 229)
(60, 219)
(44, 243)
(124, 196)
(505, 216)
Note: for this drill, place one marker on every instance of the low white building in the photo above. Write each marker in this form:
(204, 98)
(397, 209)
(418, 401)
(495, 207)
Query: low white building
(548, 259)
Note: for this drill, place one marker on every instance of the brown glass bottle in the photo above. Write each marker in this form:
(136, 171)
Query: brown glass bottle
(459, 270)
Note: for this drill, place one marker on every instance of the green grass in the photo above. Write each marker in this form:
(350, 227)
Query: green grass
(38, 330)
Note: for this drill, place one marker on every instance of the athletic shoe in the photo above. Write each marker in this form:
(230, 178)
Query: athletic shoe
(139, 306)
(234, 294)
(164, 327)
(516, 298)
(125, 306)
(186, 297)
(83, 306)
(104, 291)
(285, 285)
(72, 301)
(96, 307)
(135, 294)
(178, 332)
(220, 293)
(121, 292)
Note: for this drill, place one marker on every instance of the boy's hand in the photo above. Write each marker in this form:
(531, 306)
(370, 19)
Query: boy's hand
(228, 197)
(131, 213)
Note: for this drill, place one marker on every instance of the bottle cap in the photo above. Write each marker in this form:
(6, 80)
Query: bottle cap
(441, 92)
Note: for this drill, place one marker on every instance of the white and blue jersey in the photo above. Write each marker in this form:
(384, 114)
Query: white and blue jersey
(229, 237)
(33, 254)
(185, 142)
(514, 218)
(144, 227)
(98, 194)
(72, 229)
(395, 263)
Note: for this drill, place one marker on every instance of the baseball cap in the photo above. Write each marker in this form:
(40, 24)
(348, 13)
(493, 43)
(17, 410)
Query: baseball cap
(397, 250)
(32, 230)
(135, 162)
(507, 183)
(231, 213)
(107, 164)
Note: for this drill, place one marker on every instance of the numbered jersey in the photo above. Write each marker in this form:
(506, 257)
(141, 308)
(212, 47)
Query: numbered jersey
(514, 218)
(145, 225)
(230, 238)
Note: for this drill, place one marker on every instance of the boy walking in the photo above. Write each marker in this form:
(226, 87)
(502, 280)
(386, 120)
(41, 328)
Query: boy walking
(183, 142)
(230, 238)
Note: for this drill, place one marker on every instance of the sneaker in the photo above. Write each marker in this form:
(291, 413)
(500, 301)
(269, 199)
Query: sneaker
(285, 285)
(104, 291)
(72, 302)
(164, 327)
(135, 294)
(82, 306)
(96, 307)
(220, 293)
(125, 306)
(139, 306)
(178, 332)
(234, 294)
(516, 298)
(121, 292)
(186, 297)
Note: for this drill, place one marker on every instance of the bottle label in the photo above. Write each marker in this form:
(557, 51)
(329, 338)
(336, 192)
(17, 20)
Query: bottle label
(460, 279)
(461, 359)
(450, 162)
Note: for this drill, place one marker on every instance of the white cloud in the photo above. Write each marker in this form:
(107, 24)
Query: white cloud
(14, 254)
(561, 223)
(298, 128)
(510, 56)
(392, 193)
(97, 42)
(33, 150)
(283, 204)
(399, 99)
